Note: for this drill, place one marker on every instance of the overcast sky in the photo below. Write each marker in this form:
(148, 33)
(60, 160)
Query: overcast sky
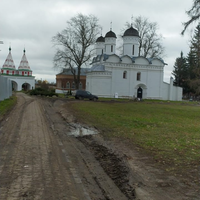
(33, 23)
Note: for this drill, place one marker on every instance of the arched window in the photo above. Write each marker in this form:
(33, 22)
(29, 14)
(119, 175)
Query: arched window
(111, 48)
(133, 50)
(138, 76)
(80, 86)
(73, 85)
(68, 85)
(125, 75)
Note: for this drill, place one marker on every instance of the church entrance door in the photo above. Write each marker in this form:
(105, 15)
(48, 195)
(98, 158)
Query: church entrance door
(139, 93)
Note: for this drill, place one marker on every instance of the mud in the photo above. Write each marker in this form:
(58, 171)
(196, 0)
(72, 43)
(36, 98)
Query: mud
(77, 130)
(46, 153)
(112, 164)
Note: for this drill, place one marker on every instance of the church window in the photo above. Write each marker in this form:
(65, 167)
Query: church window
(138, 76)
(102, 51)
(68, 85)
(133, 50)
(111, 48)
(73, 85)
(125, 75)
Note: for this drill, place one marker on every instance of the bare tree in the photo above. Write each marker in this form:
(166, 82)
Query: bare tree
(193, 13)
(150, 41)
(74, 44)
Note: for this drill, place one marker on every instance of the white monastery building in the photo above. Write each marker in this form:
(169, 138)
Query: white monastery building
(129, 75)
(20, 78)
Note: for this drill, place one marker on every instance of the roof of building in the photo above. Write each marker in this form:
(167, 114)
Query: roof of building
(67, 71)
(110, 34)
(97, 68)
(24, 65)
(131, 32)
(9, 63)
(100, 39)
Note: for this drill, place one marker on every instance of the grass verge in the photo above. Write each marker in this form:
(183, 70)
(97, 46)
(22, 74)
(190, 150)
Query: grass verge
(6, 105)
(168, 130)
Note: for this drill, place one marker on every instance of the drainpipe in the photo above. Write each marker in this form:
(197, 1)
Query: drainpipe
(171, 89)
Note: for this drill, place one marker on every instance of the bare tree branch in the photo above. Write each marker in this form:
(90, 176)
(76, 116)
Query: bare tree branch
(74, 43)
(150, 42)
(193, 13)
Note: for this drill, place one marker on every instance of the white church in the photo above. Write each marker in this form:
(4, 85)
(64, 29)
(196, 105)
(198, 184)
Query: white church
(129, 75)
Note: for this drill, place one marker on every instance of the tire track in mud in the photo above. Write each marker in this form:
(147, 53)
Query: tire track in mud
(112, 164)
(32, 164)
(8, 146)
(71, 174)
(118, 172)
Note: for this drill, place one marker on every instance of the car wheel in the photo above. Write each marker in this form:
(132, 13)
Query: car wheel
(95, 99)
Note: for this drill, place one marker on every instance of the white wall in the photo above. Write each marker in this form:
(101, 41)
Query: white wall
(21, 80)
(99, 83)
(5, 88)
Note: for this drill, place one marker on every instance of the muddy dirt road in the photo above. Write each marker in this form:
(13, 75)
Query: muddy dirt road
(41, 159)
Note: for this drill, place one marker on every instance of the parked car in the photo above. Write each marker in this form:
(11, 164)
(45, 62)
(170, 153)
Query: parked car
(82, 94)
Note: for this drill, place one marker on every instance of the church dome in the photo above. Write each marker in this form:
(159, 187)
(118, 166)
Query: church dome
(110, 34)
(131, 32)
(100, 39)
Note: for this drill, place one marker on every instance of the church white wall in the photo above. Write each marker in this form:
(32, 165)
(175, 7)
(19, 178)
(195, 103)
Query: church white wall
(150, 79)
(141, 61)
(108, 43)
(128, 42)
(100, 48)
(107, 84)
(98, 84)
(113, 59)
(156, 62)
(5, 88)
(126, 60)
(153, 81)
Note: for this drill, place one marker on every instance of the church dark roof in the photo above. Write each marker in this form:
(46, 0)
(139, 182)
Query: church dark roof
(131, 32)
(100, 39)
(67, 71)
(110, 34)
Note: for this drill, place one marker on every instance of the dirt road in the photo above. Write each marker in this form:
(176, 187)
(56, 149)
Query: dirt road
(39, 159)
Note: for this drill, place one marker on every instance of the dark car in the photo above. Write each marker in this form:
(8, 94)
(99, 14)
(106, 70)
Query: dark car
(82, 94)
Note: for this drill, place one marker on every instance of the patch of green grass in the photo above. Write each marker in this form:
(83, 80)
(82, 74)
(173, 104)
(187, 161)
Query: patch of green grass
(171, 131)
(6, 105)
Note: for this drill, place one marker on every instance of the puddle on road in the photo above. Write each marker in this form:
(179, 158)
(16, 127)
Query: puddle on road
(77, 130)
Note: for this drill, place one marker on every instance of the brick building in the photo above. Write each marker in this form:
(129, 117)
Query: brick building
(65, 81)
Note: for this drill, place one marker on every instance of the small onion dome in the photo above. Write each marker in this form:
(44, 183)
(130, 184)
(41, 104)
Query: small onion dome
(100, 39)
(110, 34)
(131, 32)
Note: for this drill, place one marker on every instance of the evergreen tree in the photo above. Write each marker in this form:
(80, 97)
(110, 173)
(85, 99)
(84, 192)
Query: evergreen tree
(193, 61)
(180, 73)
(191, 64)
